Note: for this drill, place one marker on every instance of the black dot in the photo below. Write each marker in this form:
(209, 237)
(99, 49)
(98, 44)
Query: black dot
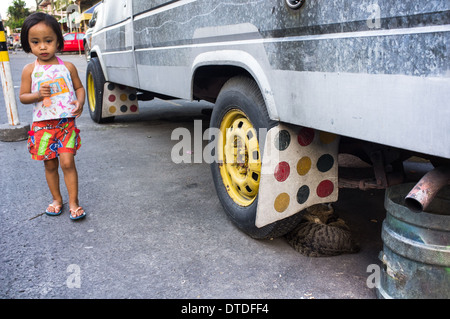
(302, 194)
(282, 140)
(325, 163)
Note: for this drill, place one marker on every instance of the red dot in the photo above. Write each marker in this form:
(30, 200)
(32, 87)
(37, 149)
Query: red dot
(133, 108)
(111, 98)
(305, 136)
(325, 188)
(282, 171)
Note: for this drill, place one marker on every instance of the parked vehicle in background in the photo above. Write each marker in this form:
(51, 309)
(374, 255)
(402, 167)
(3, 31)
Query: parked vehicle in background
(10, 42)
(73, 42)
(13, 41)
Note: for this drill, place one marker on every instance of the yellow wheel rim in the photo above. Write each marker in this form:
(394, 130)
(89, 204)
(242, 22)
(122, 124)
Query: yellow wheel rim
(239, 157)
(91, 92)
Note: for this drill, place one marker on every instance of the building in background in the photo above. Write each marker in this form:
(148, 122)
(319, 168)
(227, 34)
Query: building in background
(73, 15)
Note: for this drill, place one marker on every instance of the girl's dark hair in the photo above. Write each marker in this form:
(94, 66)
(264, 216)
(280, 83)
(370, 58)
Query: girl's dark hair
(34, 19)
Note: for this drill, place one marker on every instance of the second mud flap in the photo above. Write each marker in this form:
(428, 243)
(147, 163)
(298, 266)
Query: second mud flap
(299, 169)
(119, 100)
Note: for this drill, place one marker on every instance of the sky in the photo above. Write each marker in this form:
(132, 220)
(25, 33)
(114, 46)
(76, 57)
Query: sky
(4, 4)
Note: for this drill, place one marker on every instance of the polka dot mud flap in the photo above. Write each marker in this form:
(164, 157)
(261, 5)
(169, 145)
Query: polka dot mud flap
(119, 100)
(299, 170)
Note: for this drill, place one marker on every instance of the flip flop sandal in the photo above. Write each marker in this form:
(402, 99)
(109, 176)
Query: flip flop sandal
(54, 213)
(75, 211)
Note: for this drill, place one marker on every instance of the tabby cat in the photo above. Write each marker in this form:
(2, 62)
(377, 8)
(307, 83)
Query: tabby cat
(321, 233)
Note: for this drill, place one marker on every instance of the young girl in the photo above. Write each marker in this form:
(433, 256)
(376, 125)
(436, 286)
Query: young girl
(58, 94)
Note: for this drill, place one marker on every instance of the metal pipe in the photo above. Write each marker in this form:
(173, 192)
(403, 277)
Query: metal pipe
(426, 189)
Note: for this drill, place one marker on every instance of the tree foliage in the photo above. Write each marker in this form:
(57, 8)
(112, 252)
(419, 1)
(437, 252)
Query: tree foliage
(17, 14)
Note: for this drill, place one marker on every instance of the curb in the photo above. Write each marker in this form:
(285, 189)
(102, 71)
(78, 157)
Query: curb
(14, 133)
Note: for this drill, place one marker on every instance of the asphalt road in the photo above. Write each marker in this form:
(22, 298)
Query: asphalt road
(155, 229)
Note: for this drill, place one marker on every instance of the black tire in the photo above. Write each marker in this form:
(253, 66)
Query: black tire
(242, 95)
(95, 82)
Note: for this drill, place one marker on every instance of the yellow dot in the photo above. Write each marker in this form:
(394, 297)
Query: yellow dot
(304, 165)
(281, 202)
(112, 109)
(123, 97)
(327, 138)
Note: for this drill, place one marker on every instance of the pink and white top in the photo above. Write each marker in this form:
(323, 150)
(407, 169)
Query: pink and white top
(62, 92)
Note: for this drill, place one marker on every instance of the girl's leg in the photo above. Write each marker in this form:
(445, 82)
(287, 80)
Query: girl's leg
(67, 162)
(52, 176)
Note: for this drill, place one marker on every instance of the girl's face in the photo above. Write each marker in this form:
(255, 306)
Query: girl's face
(43, 42)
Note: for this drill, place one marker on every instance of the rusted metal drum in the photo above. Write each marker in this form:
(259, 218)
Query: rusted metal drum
(416, 247)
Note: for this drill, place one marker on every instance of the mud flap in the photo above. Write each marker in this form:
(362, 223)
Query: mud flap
(119, 100)
(299, 169)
